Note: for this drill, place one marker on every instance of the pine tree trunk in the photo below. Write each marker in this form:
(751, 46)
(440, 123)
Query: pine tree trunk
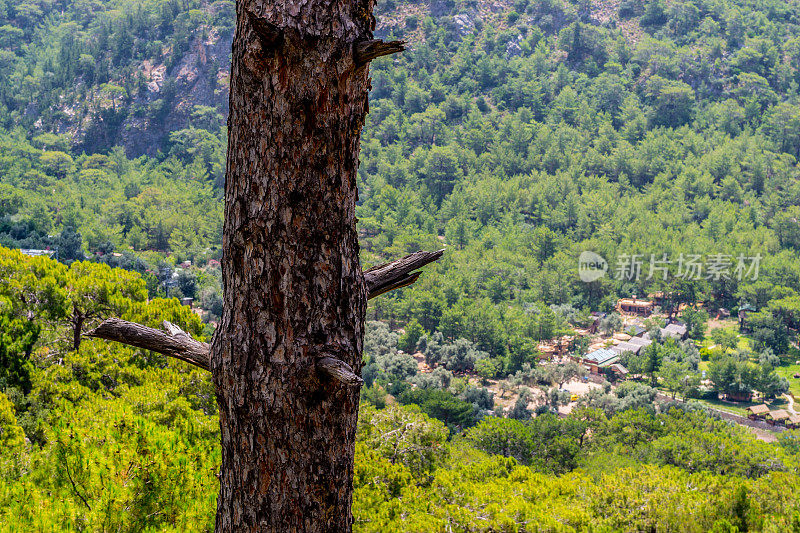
(77, 328)
(294, 290)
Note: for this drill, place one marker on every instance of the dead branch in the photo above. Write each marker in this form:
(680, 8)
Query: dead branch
(173, 343)
(396, 274)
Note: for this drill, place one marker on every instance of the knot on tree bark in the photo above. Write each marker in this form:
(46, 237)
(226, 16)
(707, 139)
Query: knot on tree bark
(268, 33)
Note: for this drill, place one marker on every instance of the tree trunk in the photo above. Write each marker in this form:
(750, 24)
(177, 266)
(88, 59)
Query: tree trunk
(77, 328)
(294, 290)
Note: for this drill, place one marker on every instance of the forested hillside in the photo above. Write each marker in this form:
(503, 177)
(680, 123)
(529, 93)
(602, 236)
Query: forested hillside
(515, 135)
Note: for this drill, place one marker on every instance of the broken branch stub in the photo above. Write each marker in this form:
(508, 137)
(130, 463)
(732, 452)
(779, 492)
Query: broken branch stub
(366, 51)
(338, 370)
(396, 274)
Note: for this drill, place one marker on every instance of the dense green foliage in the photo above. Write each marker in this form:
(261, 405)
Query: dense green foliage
(677, 471)
(114, 202)
(105, 448)
(78, 66)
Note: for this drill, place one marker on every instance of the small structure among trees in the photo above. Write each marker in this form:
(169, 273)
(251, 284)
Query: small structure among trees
(635, 306)
(744, 309)
(598, 359)
(756, 412)
(777, 417)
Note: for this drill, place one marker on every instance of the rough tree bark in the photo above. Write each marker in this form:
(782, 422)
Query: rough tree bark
(287, 353)
(294, 290)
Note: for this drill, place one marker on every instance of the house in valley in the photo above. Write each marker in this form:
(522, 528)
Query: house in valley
(778, 417)
(598, 359)
(635, 306)
(757, 412)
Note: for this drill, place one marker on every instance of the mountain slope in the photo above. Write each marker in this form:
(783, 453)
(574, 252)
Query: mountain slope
(517, 134)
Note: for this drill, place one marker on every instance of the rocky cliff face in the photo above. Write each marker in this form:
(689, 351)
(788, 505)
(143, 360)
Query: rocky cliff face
(200, 78)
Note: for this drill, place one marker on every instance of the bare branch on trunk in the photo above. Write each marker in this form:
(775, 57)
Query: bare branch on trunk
(173, 343)
(396, 274)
